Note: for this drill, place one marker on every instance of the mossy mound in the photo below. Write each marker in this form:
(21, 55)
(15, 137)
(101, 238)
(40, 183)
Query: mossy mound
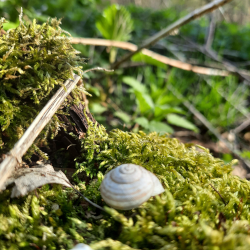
(204, 206)
(34, 61)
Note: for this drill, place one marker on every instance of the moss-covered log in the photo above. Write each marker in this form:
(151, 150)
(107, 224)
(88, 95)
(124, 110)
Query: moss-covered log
(34, 60)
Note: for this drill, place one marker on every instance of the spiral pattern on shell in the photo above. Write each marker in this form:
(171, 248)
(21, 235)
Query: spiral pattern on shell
(128, 186)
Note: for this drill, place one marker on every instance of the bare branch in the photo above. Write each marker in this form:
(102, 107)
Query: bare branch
(228, 65)
(160, 58)
(165, 32)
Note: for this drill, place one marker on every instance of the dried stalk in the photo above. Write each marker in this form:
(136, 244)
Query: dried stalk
(160, 58)
(242, 126)
(165, 32)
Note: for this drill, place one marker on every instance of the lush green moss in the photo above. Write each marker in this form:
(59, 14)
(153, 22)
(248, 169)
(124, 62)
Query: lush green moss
(34, 61)
(204, 206)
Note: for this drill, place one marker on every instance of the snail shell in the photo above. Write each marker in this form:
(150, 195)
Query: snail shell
(128, 186)
(81, 246)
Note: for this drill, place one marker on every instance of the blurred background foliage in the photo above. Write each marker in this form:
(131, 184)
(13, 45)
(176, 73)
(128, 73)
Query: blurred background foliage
(137, 95)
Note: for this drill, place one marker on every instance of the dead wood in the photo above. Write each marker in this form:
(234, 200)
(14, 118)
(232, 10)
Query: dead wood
(166, 60)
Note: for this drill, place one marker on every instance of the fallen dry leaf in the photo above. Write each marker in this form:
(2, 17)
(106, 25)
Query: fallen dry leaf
(28, 179)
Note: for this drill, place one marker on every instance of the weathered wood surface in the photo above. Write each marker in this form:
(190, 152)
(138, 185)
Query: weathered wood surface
(15, 155)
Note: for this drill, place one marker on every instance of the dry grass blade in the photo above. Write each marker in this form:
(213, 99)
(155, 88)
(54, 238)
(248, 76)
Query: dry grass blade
(182, 21)
(160, 58)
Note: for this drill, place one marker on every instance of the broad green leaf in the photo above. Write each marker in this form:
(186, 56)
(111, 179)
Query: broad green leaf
(181, 122)
(96, 108)
(159, 127)
(94, 90)
(123, 116)
(144, 101)
(142, 121)
(164, 99)
(136, 85)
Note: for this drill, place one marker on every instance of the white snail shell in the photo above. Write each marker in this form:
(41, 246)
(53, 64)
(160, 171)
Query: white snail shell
(128, 186)
(81, 246)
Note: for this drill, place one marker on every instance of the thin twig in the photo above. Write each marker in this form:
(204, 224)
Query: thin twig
(211, 32)
(85, 198)
(163, 33)
(242, 126)
(158, 57)
(99, 69)
(228, 65)
(218, 194)
(89, 201)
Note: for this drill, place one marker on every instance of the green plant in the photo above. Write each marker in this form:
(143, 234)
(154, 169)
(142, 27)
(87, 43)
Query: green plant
(115, 24)
(217, 98)
(154, 104)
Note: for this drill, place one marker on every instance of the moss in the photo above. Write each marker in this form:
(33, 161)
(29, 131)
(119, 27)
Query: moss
(35, 60)
(203, 207)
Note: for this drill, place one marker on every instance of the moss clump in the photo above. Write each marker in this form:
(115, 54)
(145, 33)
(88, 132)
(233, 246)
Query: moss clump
(203, 207)
(34, 60)
(48, 219)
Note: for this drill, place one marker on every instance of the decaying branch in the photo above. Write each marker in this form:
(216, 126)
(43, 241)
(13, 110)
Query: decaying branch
(158, 57)
(165, 32)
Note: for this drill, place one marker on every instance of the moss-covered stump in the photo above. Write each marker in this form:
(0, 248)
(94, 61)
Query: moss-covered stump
(203, 207)
(35, 60)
